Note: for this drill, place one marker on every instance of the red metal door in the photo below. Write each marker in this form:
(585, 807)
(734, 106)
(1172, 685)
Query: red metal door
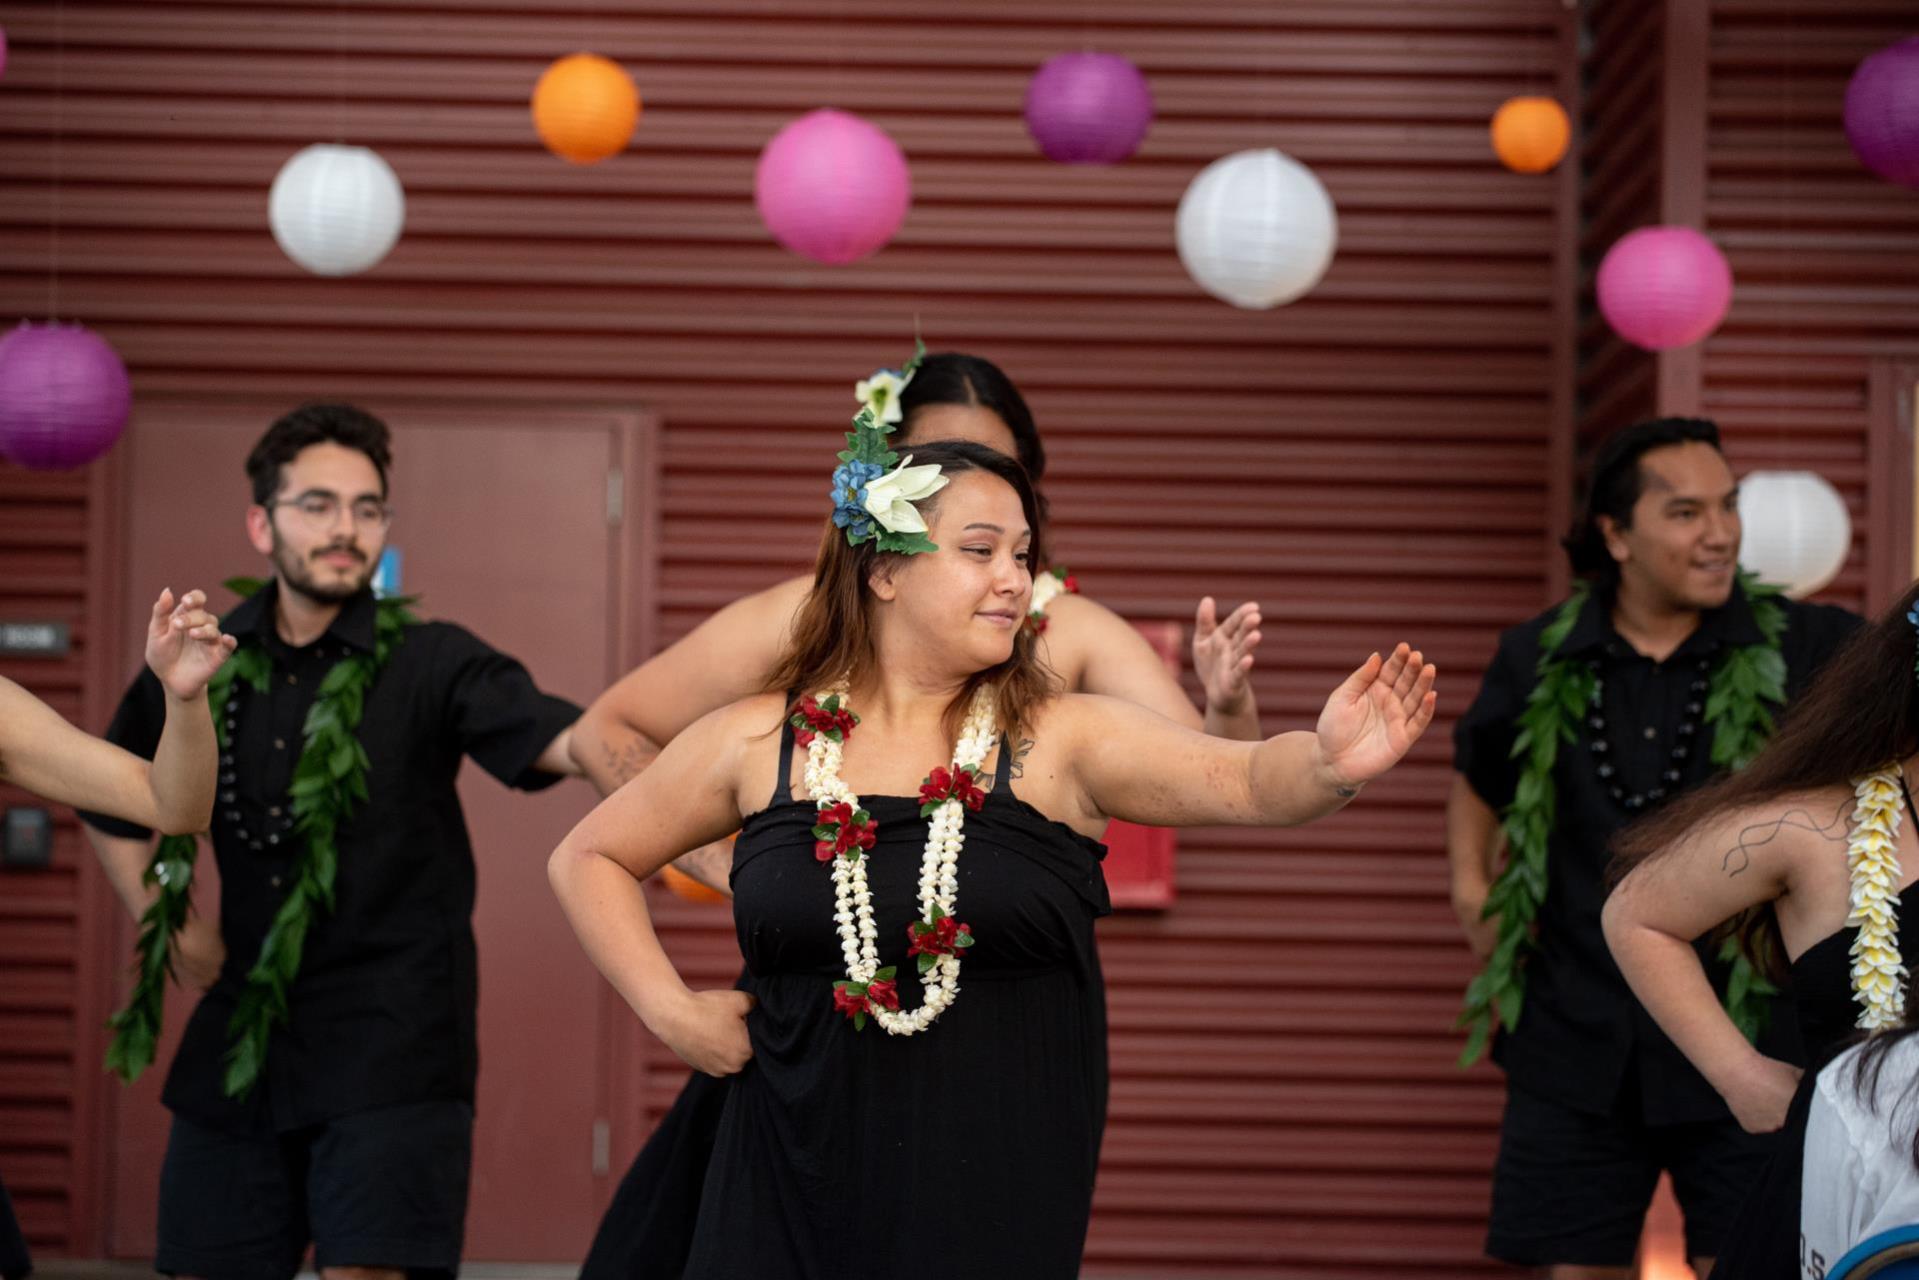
(515, 525)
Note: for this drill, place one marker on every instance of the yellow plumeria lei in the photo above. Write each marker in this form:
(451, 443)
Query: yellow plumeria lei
(1872, 862)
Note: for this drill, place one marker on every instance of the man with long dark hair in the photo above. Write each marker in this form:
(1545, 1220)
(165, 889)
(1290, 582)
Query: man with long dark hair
(1662, 669)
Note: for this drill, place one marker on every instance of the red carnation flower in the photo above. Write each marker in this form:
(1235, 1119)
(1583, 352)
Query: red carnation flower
(849, 1001)
(939, 938)
(885, 993)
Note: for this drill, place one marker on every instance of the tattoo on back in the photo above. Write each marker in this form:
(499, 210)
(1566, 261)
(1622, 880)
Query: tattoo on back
(1739, 857)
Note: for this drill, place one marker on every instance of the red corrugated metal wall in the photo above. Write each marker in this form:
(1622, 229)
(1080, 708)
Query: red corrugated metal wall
(1825, 260)
(1371, 463)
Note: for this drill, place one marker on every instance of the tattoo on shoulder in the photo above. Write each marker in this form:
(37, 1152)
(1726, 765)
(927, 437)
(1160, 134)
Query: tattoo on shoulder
(1018, 767)
(1739, 857)
(625, 761)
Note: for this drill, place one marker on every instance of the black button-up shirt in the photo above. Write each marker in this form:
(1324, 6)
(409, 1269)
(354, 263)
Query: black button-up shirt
(383, 1011)
(1582, 1037)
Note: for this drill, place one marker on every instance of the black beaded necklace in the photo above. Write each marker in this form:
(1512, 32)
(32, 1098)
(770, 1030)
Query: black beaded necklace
(1685, 735)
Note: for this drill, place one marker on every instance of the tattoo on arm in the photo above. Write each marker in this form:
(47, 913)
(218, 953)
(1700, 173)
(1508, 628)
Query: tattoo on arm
(1345, 793)
(625, 762)
(1739, 857)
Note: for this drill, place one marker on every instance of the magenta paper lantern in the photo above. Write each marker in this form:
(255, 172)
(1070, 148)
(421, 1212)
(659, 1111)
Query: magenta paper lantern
(832, 187)
(1882, 113)
(63, 396)
(1664, 287)
(1088, 108)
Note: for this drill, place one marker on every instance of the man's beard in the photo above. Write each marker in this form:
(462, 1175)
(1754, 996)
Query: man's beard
(296, 574)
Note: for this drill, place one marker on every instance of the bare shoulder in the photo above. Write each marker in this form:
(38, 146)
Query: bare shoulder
(1075, 628)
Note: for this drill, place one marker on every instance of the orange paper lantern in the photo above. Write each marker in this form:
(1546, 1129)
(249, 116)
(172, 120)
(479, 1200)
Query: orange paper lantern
(585, 108)
(1530, 134)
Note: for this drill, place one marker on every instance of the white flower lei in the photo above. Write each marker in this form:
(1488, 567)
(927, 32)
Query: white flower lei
(939, 868)
(1872, 861)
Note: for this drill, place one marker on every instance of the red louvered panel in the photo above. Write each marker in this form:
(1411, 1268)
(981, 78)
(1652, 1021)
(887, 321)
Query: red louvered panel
(43, 577)
(1370, 463)
(1823, 256)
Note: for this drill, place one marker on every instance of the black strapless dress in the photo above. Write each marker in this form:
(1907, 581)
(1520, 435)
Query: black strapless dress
(841, 1155)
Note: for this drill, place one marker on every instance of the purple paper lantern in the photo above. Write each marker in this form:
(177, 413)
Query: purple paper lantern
(1664, 287)
(63, 396)
(1882, 113)
(1088, 108)
(832, 187)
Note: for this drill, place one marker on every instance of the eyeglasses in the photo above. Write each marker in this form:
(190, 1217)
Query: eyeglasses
(320, 509)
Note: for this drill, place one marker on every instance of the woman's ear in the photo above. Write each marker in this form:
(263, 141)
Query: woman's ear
(881, 580)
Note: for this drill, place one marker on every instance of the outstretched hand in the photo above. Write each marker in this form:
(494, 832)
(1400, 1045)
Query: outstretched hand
(184, 643)
(1223, 653)
(1374, 718)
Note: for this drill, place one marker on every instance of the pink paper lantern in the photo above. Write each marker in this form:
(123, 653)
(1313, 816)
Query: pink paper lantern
(1882, 113)
(832, 187)
(63, 396)
(1664, 287)
(1088, 108)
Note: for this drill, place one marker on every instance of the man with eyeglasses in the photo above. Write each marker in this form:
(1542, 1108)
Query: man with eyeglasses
(356, 1133)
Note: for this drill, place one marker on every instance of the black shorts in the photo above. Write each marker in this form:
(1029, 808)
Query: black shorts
(1571, 1188)
(383, 1188)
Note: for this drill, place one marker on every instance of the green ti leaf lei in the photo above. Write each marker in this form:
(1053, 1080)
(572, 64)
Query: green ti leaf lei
(1744, 686)
(329, 780)
(866, 442)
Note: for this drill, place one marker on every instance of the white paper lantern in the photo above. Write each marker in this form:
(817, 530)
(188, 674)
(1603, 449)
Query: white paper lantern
(1797, 532)
(1256, 229)
(336, 210)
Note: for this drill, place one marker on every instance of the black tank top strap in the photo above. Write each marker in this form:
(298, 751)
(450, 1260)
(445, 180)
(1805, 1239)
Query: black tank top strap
(783, 777)
(1003, 771)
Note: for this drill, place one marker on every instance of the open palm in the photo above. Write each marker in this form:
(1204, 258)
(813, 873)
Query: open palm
(184, 643)
(1374, 718)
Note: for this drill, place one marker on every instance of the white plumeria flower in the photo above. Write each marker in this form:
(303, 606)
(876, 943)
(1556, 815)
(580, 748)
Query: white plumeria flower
(890, 498)
(881, 394)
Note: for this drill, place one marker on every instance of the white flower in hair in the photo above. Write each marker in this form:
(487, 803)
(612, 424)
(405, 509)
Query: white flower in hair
(881, 394)
(890, 497)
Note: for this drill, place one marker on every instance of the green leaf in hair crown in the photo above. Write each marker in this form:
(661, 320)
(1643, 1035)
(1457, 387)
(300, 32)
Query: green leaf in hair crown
(874, 491)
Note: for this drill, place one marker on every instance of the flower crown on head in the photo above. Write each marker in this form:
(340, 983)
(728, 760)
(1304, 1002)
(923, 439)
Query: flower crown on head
(870, 501)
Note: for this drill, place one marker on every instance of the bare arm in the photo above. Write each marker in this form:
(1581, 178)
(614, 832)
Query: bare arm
(44, 754)
(557, 756)
(686, 798)
(1136, 766)
(1474, 841)
(724, 659)
(1739, 860)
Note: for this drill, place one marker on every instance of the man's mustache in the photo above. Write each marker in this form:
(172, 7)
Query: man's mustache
(355, 552)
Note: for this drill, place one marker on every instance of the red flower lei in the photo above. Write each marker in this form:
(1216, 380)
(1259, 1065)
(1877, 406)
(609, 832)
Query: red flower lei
(814, 717)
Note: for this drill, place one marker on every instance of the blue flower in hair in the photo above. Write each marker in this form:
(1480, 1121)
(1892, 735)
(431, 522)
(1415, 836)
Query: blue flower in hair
(849, 497)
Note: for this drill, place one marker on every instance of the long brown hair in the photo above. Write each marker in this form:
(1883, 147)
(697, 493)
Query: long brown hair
(833, 632)
(1860, 714)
